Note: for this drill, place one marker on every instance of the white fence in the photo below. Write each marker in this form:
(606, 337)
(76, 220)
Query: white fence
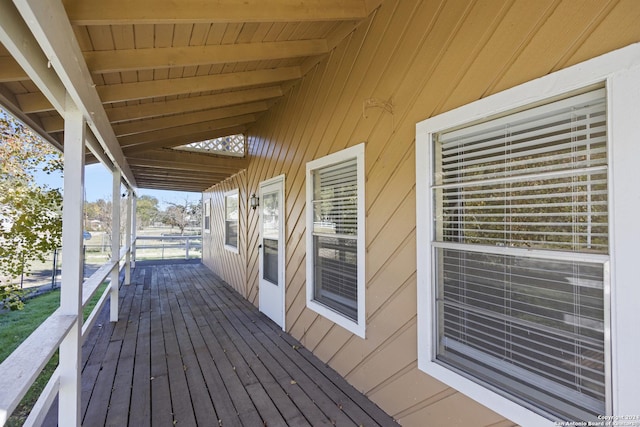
(167, 247)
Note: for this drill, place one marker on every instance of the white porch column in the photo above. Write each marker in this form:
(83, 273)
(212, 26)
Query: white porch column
(72, 277)
(127, 243)
(115, 243)
(134, 232)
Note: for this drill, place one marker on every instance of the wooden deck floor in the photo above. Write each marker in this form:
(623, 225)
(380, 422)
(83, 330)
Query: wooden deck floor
(188, 350)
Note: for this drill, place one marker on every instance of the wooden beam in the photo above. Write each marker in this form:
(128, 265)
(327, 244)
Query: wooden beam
(37, 102)
(140, 111)
(22, 44)
(371, 5)
(167, 122)
(181, 173)
(34, 102)
(49, 24)
(9, 103)
(195, 103)
(198, 128)
(176, 186)
(333, 39)
(169, 87)
(186, 184)
(126, 12)
(176, 159)
(166, 181)
(11, 71)
(112, 61)
(184, 139)
(178, 175)
(17, 38)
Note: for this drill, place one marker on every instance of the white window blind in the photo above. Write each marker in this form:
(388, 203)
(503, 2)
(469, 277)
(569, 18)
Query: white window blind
(528, 324)
(335, 233)
(207, 215)
(535, 179)
(231, 219)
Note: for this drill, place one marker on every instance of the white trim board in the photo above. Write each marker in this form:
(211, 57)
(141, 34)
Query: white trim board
(357, 327)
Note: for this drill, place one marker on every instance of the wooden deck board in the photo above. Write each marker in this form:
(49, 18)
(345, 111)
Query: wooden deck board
(188, 350)
(182, 409)
(159, 373)
(332, 405)
(269, 370)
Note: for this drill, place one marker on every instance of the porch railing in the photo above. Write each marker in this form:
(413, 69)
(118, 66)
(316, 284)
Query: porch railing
(163, 247)
(22, 367)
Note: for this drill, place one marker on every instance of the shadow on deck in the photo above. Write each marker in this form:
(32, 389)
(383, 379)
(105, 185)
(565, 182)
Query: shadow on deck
(188, 350)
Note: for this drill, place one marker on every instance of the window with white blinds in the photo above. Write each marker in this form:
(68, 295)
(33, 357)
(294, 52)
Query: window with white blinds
(335, 234)
(231, 216)
(207, 215)
(520, 250)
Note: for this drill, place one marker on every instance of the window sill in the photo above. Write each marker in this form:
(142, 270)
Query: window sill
(233, 249)
(481, 394)
(337, 318)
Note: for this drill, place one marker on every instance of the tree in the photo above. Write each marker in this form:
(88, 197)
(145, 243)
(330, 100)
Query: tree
(183, 214)
(147, 210)
(100, 211)
(30, 214)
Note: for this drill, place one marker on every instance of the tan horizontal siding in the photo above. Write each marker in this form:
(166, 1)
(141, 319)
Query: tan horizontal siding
(422, 58)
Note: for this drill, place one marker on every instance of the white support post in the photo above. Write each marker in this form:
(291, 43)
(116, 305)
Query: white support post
(72, 277)
(186, 248)
(127, 271)
(115, 244)
(134, 207)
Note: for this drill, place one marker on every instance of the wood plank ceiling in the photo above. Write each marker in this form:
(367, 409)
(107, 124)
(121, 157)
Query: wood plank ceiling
(172, 72)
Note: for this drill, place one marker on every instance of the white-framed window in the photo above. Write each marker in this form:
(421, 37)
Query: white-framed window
(520, 282)
(231, 217)
(335, 238)
(206, 217)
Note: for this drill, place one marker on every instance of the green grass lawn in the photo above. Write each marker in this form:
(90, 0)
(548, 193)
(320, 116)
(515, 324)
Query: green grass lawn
(16, 326)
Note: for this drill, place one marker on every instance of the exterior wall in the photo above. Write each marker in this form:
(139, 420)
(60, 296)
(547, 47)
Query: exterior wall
(423, 58)
(230, 266)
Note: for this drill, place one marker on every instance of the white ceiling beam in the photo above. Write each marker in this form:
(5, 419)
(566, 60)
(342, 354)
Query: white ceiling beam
(168, 87)
(126, 12)
(112, 61)
(50, 26)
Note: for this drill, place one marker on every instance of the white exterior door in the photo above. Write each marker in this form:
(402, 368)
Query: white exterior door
(271, 249)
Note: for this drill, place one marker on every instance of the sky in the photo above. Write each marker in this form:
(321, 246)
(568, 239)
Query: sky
(98, 184)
